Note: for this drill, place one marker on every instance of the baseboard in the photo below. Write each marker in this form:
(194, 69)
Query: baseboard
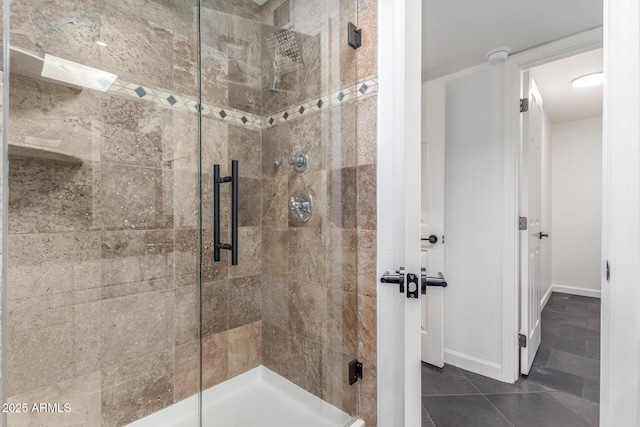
(576, 291)
(473, 364)
(545, 297)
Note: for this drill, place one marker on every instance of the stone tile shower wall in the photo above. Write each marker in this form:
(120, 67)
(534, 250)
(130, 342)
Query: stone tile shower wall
(104, 304)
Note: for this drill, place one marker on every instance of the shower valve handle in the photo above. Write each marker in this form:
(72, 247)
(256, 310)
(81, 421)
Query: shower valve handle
(300, 161)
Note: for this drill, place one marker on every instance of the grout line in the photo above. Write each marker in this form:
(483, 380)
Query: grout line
(494, 406)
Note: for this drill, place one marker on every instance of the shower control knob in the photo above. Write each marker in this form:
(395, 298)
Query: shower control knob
(300, 161)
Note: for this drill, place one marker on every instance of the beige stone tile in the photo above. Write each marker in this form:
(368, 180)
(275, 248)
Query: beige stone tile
(275, 200)
(211, 270)
(139, 198)
(185, 63)
(186, 255)
(37, 280)
(215, 359)
(244, 301)
(367, 120)
(187, 326)
(276, 349)
(342, 321)
(340, 135)
(275, 252)
(137, 387)
(341, 198)
(82, 393)
(51, 341)
(41, 248)
(186, 199)
(336, 389)
(245, 145)
(138, 50)
(249, 252)
(245, 348)
(307, 262)
(55, 117)
(368, 396)
(215, 68)
(187, 370)
(367, 256)
(308, 311)
(342, 247)
(129, 243)
(367, 197)
(215, 146)
(305, 365)
(274, 301)
(162, 13)
(186, 149)
(249, 206)
(367, 54)
(367, 329)
(215, 307)
(137, 325)
(135, 132)
(65, 29)
(275, 144)
(246, 97)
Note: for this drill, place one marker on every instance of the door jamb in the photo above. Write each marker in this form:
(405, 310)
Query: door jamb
(513, 68)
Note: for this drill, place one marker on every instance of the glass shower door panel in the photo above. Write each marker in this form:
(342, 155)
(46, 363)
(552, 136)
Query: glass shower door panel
(103, 283)
(279, 94)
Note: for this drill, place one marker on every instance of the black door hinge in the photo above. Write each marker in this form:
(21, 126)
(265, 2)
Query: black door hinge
(524, 105)
(522, 341)
(608, 271)
(354, 36)
(355, 371)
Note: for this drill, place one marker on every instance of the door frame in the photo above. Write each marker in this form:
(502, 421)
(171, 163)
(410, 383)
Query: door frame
(399, 105)
(513, 68)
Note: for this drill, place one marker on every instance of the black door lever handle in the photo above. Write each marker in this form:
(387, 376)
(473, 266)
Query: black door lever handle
(543, 235)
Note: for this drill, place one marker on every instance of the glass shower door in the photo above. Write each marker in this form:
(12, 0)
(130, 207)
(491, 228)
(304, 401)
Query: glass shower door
(279, 94)
(103, 234)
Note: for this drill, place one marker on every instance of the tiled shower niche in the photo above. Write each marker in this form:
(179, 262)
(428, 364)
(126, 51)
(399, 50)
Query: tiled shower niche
(105, 279)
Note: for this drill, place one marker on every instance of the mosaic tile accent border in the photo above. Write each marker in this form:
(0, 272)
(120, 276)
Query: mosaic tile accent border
(364, 88)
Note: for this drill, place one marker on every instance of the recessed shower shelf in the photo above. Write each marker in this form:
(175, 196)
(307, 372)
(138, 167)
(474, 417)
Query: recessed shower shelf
(42, 153)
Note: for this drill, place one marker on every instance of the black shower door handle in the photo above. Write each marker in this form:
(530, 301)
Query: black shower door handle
(217, 180)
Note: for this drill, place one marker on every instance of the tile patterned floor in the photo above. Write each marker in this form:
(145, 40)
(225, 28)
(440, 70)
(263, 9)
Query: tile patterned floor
(561, 390)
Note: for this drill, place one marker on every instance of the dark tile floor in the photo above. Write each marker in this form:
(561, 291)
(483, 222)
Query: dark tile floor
(561, 390)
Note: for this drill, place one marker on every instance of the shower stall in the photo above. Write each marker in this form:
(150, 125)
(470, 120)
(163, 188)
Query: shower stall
(189, 213)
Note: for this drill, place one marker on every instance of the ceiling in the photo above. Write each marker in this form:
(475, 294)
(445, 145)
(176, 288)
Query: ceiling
(456, 34)
(562, 102)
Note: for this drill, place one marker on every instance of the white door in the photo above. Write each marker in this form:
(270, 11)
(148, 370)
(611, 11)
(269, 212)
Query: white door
(432, 219)
(530, 200)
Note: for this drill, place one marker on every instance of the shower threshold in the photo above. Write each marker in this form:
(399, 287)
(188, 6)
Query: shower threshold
(257, 398)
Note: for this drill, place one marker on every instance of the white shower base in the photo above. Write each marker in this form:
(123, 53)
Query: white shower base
(257, 398)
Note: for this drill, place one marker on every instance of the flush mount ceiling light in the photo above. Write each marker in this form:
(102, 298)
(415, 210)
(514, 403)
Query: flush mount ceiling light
(498, 54)
(588, 80)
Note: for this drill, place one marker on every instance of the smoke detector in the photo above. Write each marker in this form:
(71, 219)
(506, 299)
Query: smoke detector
(498, 54)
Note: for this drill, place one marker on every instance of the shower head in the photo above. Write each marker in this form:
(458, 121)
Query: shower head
(285, 52)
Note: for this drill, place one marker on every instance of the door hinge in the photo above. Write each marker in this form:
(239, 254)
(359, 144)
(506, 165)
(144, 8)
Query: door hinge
(522, 223)
(522, 341)
(354, 36)
(524, 105)
(355, 371)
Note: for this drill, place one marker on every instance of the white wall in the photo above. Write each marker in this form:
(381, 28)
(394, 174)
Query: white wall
(576, 205)
(473, 229)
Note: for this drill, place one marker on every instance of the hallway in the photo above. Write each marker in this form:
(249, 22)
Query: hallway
(562, 388)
